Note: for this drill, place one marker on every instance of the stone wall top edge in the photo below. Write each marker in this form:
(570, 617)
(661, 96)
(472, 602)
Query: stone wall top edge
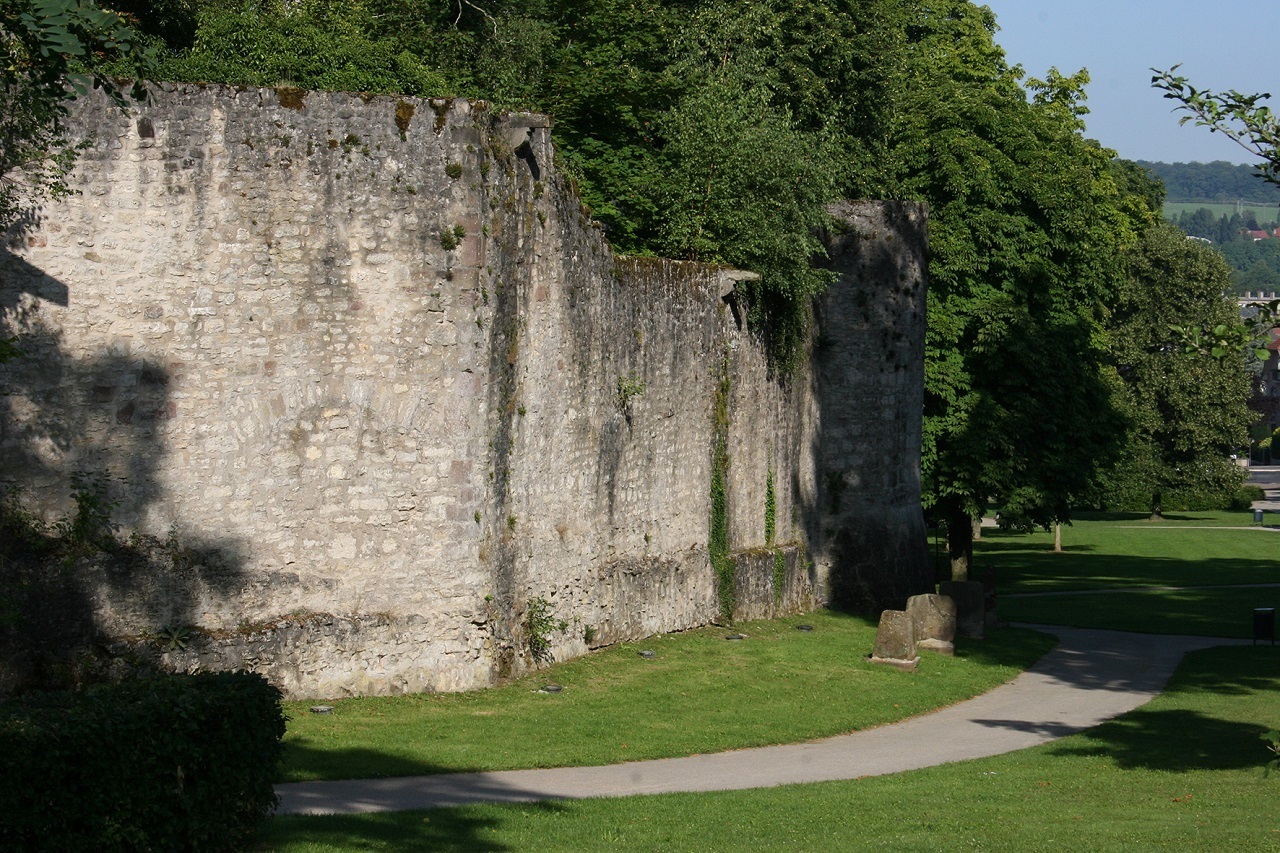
(292, 97)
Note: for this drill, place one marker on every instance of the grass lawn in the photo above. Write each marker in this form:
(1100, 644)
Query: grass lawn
(1181, 773)
(701, 693)
(1118, 552)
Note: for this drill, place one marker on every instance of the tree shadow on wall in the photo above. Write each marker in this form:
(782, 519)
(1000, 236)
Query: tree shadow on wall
(867, 357)
(81, 437)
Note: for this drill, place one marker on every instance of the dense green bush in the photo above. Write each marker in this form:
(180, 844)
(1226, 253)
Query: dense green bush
(1138, 499)
(181, 762)
(1245, 497)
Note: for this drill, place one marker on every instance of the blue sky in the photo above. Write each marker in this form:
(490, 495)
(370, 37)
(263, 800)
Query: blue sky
(1220, 47)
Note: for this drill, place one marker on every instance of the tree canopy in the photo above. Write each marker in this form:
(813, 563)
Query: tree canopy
(1218, 181)
(1187, 410)
(1027, 221)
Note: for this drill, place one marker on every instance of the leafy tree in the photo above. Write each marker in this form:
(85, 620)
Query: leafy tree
(1200, 224)
(1187, 410)
(1027, 221)
(1247, 121)
(51, 50)
(747, 183)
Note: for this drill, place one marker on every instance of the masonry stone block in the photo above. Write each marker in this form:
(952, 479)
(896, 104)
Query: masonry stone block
(970, 606)
(934, 619)
(896, 641)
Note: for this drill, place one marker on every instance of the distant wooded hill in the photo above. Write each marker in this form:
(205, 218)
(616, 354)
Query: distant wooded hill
(1218, 181)
(1204, 201)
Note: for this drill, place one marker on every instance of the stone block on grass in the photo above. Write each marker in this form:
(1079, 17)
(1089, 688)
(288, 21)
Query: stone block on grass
(934, 619)
(969, 597)
(896, 641)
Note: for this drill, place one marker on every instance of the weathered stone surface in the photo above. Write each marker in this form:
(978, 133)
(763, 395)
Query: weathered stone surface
(941, 647)
(968, 598)
(869, 531)
(896, 640)
(934, 619)
(371, 368)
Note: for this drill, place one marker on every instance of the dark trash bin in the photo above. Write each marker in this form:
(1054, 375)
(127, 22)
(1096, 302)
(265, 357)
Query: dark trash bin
(1264, 624)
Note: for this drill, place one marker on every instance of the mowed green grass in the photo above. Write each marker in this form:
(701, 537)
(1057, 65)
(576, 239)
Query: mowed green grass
(700, 694)
(1121, 553)
(1181, 773)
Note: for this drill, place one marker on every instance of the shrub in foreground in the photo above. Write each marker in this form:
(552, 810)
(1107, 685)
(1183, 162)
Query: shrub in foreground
(182, 762)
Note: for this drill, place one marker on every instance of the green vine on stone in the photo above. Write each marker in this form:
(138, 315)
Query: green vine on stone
(770, 508)
(629, 387)
(718, 533)
(540, 623)
(451, 239)
(172, 638)
(779, 575)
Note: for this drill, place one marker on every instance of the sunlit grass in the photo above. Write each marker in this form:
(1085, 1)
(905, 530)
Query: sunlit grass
(1181, 773)
(1122, 554)
(701, 693)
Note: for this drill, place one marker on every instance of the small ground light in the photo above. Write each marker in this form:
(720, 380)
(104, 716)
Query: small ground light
(551, 688)
(804, 627)
(736, 637)
(648, 653)
(322, 709)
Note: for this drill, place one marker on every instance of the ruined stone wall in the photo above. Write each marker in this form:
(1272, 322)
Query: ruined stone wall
(371, 371)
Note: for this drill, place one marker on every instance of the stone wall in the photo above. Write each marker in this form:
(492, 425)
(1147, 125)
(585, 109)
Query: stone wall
(372, 372)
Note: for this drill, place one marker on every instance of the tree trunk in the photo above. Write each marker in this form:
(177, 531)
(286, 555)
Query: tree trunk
(1057, 537)
(1156, 514)
(977, 530)
(960, 544)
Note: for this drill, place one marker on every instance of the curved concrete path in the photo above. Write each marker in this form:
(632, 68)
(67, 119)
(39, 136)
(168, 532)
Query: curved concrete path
(1090, 677)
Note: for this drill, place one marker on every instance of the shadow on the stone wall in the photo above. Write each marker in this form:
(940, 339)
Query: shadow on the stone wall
(868, 356)
(81, 435)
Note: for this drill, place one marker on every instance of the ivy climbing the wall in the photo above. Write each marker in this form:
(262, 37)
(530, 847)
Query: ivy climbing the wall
(718, 534)
(779, 575)
(770, 508)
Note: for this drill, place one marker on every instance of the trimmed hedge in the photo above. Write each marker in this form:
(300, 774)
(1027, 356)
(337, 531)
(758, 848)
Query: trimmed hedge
(177, 762)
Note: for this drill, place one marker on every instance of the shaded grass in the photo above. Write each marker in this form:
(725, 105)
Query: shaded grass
(1197, 612)
(1119, 552)
(1181, 773)
(700, 694)
(1127, 553)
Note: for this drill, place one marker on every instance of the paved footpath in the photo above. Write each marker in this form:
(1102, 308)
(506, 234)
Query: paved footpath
(1090, 677)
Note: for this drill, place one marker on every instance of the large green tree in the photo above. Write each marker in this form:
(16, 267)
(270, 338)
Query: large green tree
(1187, 410)
(1027, 222)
